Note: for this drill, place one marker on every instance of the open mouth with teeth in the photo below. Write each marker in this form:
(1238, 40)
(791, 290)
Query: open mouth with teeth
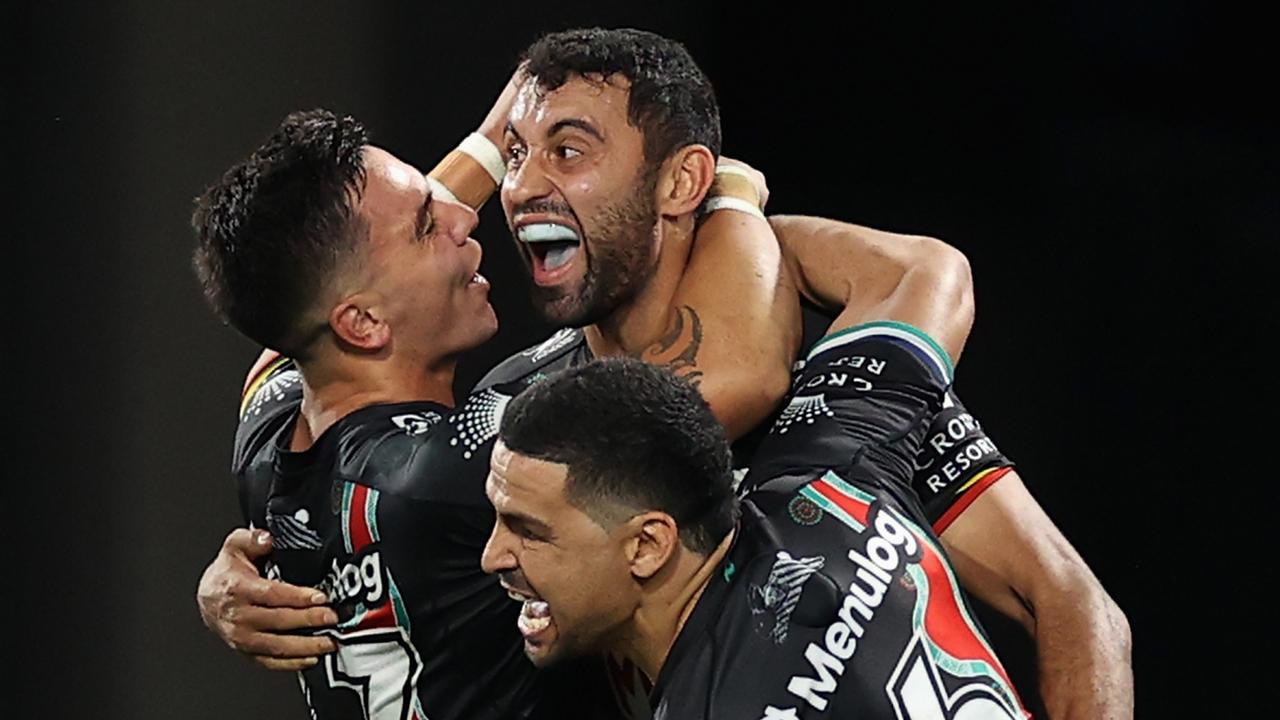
(535, 614)
(552, 247)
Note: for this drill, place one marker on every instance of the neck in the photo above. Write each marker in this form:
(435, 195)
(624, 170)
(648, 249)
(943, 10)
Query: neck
(664, 610)
(643, 319)
(333, 390)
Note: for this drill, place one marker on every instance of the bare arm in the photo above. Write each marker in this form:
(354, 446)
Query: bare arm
(868, 275)
(733, 324)
(1006, 550)
(1009, 554)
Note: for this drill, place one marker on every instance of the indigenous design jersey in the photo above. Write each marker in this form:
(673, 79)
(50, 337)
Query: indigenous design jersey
(833, 603)
(955, 463)
(386, 513)
(835, 599)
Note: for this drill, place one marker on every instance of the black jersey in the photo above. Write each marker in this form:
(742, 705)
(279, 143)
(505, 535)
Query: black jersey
(835, 599)
(386, 513)
(951, 468)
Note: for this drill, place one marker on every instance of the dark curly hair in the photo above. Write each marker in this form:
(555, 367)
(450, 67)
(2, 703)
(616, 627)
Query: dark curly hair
(273, 228)
(671, 100)
(635, 437)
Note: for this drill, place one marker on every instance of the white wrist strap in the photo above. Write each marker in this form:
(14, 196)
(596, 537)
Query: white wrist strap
(728, 202)
(486, 153)
(732, 170)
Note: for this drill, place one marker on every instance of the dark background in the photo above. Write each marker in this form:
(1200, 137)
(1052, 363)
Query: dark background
(1110, 169)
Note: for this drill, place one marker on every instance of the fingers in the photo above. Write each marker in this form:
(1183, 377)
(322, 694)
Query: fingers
(278, 594)
(289, 665)
(283, 647)
(230, 583)
(251, 544)
(270, 618)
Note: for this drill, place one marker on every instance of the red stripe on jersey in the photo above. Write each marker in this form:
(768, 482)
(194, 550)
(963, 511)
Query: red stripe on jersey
(264, 361)
(360, 535)
(859, 509)
(966, 497)
(384, 615)
(945, 621)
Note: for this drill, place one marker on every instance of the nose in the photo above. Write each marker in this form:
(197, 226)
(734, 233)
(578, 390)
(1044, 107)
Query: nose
(497, 555)
(453, 220)
(528, 181)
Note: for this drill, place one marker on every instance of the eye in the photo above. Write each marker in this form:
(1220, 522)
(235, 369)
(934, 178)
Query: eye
(565, 152)
(515, 155)
(526, 534)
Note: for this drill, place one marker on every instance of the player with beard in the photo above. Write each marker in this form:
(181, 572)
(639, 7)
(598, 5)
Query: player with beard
(359, 269)
(589, 217)
(602, 139)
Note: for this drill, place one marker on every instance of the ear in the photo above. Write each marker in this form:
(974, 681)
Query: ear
(357, 321)
(654, 541)
(684, 179)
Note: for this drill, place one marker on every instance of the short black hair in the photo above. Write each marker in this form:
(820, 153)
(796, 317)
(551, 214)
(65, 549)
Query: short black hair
(671, 99)
(276, 224)
(634, 437)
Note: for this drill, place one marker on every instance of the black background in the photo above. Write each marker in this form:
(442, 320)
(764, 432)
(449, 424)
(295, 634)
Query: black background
(1110, 169)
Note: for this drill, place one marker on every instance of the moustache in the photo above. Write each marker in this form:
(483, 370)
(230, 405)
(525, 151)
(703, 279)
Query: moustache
(544, 206)
(515, 580)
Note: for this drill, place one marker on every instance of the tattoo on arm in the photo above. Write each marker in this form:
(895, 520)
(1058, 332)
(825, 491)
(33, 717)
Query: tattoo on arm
(678, 349)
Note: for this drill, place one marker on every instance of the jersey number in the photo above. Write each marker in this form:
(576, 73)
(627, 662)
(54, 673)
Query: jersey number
(381, 666)
(918, 693)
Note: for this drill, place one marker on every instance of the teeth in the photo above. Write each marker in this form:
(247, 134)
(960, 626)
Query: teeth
(531, 626)
(535, 616)
(559, 255)
(546, 232)
(479, 279)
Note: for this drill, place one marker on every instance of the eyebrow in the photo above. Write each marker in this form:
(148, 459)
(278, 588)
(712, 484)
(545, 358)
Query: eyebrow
(531, 523)
(578, 123)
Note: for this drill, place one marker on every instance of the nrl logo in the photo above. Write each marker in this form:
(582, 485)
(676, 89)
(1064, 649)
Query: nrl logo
(416, 423)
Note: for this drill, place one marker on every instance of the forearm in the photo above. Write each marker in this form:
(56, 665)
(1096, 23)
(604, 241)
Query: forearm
(865, 275)
(1083, 651)
(1009, 554)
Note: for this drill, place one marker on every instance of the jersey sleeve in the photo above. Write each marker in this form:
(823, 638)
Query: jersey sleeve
(955, 464)
(864, 398)
(270, 400)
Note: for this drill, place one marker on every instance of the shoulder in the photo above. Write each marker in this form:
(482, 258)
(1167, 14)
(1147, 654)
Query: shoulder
(565, 348)
(423, 452)
(270, 400)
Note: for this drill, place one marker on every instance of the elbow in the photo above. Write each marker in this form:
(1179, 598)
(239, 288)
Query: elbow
(953, 277)
(1119, 631)
(942, 276)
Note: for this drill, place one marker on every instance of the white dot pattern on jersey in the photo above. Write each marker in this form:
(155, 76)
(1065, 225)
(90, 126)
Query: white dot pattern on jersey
(477, 421)
(273, 389)
(802, 408)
